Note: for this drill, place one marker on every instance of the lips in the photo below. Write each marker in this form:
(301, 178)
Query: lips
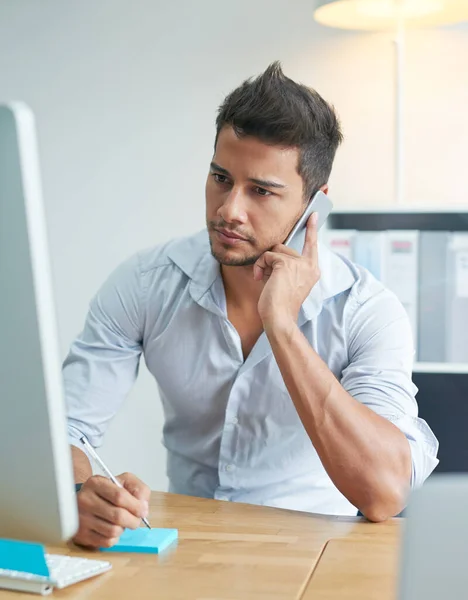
(230, 234)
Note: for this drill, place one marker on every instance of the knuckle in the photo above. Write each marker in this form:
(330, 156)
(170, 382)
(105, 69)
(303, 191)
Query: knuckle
(87, 486)
(84, 526)
(113, 515)
(86, 504)
(84, 501)
(115, 531)
(142, 491)
(119, 496)
(94, 482)
(119, 517)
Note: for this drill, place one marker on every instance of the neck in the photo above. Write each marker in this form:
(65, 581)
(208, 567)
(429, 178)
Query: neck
(239, 285)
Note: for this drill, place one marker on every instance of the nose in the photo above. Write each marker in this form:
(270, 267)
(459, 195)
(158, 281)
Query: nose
(232, 210)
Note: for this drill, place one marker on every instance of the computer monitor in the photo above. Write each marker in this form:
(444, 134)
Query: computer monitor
(434, 546)
(37, 497)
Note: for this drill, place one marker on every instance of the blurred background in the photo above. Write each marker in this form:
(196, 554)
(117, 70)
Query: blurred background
(125, 96)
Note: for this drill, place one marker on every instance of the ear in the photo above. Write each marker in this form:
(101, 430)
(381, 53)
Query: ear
(324, 188)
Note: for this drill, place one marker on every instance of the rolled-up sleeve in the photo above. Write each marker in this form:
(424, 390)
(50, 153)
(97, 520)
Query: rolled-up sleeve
(103, 361)
(381, 355)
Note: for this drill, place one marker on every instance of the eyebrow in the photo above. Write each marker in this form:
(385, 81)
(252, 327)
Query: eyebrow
(260, 182)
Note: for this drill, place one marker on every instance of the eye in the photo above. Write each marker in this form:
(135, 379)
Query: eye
(219, 178)
(262, 192)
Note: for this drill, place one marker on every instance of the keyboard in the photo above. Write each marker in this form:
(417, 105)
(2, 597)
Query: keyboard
(66, 570)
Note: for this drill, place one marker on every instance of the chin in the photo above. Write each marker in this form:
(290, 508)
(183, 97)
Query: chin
(231, 258)
(237, 261)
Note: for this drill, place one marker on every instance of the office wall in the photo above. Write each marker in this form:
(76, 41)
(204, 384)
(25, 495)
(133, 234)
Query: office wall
(125, 95)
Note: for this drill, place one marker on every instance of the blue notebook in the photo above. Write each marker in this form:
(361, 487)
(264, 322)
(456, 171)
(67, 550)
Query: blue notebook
(143, 540)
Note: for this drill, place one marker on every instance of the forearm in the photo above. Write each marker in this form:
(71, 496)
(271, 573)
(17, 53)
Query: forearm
(82, 470)
(366, 456)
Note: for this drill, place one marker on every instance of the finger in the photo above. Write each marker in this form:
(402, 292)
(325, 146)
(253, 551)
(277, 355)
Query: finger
(265, 274)
(135, 486)
(310, 244)
(93, 540)
(92, 504)
(107, 530)
(282, 249)
(102, 527)
(106, 542)
(266, 261)
(257, 272)
(259, 267)
(119, 497)
(269, 260)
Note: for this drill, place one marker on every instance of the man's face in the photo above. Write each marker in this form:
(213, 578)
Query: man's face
(254, 196)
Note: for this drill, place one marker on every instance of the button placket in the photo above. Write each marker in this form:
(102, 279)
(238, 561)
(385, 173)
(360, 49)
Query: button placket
(227, 457)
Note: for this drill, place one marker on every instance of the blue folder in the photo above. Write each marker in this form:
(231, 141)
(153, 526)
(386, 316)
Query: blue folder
(24, 557)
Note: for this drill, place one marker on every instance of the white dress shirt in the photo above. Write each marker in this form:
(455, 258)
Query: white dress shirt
(231, 429)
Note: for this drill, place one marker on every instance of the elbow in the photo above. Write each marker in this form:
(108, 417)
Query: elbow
(377, 514)
(389, 491)
(387, 504)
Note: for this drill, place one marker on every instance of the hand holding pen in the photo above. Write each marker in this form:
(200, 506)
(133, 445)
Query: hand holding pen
(107, 506)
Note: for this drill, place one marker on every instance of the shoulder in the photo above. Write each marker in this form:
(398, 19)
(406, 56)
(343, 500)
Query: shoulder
(367, 310)
(361, 288)
(181, 255)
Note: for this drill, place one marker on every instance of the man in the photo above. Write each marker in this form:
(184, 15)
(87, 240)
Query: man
(285, 378)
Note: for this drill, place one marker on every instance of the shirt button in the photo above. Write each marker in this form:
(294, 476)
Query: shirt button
(234, 421)
(223, 498)
(230, 468)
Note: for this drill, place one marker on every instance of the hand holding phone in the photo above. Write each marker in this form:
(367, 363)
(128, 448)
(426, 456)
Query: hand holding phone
(290, 273)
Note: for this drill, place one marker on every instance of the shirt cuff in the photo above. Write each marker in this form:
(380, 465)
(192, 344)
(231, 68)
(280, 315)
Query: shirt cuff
(423, 444)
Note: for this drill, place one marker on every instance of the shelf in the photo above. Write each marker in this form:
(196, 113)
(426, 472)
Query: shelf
(383, 220)
(432, 367)
(423, 218)
(391, 209)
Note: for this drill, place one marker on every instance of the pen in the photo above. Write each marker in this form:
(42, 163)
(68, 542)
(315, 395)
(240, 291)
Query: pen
(93, 453)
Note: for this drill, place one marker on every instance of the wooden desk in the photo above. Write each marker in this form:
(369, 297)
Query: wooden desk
(348, 569)
(229, 551)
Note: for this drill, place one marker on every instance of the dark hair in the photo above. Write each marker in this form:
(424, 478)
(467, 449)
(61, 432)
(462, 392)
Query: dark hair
(277, 110)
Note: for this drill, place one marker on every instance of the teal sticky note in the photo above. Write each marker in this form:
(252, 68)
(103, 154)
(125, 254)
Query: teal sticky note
(24, 557)
(144, 540)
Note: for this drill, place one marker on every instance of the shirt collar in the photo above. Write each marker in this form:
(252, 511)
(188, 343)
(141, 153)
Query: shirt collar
(193, 256)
